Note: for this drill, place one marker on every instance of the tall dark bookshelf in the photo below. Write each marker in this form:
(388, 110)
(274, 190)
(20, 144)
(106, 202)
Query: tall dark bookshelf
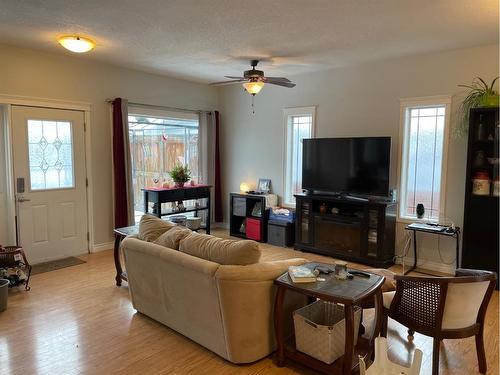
(480, 230)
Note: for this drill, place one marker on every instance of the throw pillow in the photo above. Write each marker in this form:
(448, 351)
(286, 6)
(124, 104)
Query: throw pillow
(151, 227)
(227, 252)
(172, 237)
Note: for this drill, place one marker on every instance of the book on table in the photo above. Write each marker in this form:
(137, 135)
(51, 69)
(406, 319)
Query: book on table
(301, 274)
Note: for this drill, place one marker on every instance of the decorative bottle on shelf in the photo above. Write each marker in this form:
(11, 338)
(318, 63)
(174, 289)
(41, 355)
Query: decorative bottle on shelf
(495, 191)
(481, 130)
(481, 183)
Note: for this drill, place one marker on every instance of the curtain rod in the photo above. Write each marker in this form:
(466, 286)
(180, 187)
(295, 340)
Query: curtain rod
(153, 106)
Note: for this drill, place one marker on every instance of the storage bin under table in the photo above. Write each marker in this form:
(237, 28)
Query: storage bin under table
(320, 330)
(350, 293)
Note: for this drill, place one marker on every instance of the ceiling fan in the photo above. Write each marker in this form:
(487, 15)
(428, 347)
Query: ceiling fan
(255, 80)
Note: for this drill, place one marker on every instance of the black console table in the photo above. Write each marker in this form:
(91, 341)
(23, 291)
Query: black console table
(165, 195)
(448, 232)
(353, 229)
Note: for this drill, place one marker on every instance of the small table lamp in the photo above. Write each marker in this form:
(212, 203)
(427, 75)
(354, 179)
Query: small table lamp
(244, 187)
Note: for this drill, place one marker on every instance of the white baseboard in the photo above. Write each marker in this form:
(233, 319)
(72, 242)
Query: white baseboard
(102, 246)
(429, 265)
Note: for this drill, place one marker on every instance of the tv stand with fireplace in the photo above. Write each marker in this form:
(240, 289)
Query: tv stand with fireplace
(361, 231)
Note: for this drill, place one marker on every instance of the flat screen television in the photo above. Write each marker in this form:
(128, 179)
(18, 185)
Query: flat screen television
(358, 166)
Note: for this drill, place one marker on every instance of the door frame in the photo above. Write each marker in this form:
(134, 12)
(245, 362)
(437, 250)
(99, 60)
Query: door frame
(8, 101)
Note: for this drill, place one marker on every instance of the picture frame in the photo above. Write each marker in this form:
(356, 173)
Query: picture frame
(264, 185)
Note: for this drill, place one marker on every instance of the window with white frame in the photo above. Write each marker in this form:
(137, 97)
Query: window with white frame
(423, 157)
(299, 125)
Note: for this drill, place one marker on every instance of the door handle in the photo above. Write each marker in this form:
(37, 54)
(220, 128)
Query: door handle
(22, 199)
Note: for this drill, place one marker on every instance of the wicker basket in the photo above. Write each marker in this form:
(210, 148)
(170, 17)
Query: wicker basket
(193, 223)
(320, 330)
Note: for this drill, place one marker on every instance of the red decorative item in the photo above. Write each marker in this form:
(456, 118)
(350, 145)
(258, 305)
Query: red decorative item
(253, 229)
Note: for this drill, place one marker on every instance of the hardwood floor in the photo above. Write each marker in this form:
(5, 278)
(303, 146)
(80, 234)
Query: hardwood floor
(76, 321)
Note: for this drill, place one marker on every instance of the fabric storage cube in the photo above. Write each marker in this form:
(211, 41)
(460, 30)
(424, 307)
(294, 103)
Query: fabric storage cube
(320, 330)
(280, 233)
(240, 207)
(253, 229)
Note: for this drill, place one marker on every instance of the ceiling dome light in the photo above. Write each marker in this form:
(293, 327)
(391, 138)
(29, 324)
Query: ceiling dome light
(253, 87)
(76, 44)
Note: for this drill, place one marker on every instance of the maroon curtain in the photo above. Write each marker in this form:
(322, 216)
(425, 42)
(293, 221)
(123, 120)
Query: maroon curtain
(119, 166)
(217, 187)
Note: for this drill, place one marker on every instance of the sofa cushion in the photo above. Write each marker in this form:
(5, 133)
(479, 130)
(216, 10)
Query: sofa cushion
(227, 252)
(151, 227)
(173, 236)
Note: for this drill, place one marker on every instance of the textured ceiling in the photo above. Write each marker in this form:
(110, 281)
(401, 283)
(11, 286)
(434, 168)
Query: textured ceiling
(203, 40)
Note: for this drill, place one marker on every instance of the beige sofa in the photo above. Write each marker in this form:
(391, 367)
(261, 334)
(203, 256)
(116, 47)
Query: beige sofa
(226, 308)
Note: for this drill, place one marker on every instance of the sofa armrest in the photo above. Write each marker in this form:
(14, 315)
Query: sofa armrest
(246, 298)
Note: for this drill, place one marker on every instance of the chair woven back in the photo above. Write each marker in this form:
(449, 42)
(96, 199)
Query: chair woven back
(419, 302)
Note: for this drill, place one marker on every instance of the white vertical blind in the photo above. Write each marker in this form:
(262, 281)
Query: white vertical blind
(299, 126)
(423, 160)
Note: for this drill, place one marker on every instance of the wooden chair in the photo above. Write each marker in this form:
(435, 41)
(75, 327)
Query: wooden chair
(442, 308)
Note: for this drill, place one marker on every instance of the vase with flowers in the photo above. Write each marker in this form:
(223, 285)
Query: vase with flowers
(180, 174)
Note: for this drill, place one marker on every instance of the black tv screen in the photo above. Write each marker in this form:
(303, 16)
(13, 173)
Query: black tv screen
(347, 165)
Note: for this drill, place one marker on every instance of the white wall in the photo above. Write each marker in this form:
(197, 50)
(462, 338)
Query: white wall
(38, 74)
(359, 100)
(3, 184)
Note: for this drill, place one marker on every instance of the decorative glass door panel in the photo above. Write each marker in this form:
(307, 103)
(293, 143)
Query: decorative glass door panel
(50, 153)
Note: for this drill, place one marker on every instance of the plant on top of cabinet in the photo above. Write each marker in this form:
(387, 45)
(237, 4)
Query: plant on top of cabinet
(480, 95)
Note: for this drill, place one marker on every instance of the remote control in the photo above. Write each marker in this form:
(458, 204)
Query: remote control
(360, 273)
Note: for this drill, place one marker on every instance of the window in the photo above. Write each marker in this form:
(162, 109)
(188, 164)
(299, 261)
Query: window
(423, 156)
(158, 141)
(50, 150)
(299, 125)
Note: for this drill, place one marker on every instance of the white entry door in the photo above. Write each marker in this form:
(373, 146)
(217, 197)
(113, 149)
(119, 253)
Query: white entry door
(50, 182)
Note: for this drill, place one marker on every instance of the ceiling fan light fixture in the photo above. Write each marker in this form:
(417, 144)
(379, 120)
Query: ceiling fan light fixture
(253, 88)
(77, 44)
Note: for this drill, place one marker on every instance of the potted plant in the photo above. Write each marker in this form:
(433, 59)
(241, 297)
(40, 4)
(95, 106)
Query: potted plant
(180, 174)
(480, 95)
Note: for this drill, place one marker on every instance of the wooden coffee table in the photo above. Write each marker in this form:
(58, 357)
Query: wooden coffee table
(120, 234)
(347, 292)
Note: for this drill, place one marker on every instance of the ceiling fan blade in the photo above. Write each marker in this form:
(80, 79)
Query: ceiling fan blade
(281, 83)
(278, 79)
(222, 83)
(233, 77)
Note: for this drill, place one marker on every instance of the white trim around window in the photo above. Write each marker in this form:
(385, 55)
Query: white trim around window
(406, 106)
(292, 163)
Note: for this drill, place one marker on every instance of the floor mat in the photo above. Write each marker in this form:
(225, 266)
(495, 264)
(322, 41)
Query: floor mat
(55, 265)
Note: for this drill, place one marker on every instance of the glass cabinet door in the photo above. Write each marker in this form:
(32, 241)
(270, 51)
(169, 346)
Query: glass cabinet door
(304, 222)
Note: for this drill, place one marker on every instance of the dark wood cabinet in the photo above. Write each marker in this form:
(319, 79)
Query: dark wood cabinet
(360, 231)
(480, 245)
